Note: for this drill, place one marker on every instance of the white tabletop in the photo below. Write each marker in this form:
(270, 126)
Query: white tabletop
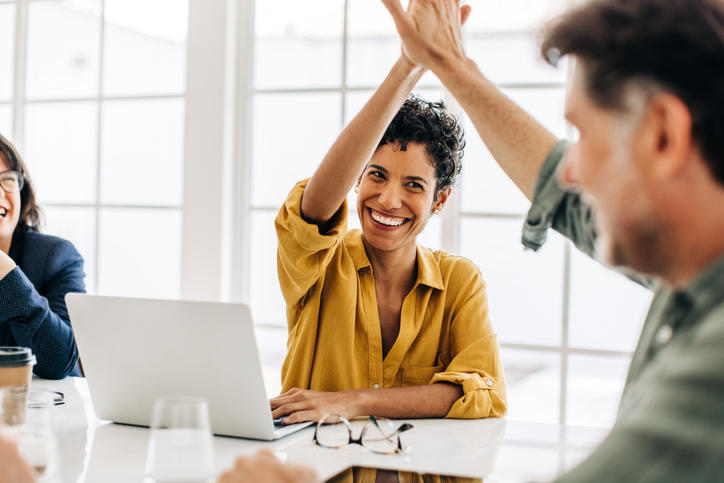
(91, 450)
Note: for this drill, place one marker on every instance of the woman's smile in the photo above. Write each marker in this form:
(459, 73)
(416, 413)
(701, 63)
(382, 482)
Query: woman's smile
(386, 221)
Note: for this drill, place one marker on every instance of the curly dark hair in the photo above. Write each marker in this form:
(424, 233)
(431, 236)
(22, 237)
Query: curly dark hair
(430, 124)
(29, 209)
(674, 45)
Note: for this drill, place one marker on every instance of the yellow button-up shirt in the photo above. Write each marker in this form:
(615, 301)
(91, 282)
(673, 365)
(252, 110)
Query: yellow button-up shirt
(335, 341)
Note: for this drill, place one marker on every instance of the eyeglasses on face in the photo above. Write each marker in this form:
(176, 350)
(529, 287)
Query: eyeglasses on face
(378, 435)
(11, 181)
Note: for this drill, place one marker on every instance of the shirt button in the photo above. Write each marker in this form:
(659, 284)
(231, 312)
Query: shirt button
(664, 334)
(376, 386)
(489, 382)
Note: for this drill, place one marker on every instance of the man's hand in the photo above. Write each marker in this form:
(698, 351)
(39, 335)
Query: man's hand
(13, 467)
(430, 30)
(299, 405)
(265, 467)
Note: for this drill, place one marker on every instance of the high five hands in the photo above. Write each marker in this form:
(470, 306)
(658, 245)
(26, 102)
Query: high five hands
(430, 30)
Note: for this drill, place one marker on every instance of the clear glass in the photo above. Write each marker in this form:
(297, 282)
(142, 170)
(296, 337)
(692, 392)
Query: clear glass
(140, 252)
(533, 382)
(61, 150)
(607, 310)
(142, 152)
(145, 47)
(594, 389)
(298, 44)
(68, 68)
(7, 48)
(180, 447)
(36, 439)
(525, 289)
(77, 225)
(291, 135)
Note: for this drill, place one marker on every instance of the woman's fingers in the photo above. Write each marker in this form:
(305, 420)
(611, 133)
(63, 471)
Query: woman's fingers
(289, 408)
(303, 416)
(277, 401)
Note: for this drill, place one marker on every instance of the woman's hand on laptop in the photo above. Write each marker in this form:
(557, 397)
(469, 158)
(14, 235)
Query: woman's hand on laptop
(264, 466)
(300, 405)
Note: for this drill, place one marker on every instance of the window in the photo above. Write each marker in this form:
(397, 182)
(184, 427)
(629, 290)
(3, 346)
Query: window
(163, 138)
(566, 325)
(99, 118)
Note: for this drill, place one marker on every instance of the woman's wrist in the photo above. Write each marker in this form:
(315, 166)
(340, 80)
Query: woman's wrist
(362, 400)
(412, 70)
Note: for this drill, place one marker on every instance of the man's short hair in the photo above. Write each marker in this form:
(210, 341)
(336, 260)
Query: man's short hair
(676, 45)
(430, 124)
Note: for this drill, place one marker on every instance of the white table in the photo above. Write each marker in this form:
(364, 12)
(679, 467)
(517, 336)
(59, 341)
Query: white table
(92, 451)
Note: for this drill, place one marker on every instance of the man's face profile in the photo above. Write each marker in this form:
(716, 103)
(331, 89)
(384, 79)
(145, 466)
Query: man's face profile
(603, 166)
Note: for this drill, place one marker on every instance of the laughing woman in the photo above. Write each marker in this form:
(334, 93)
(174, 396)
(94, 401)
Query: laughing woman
(36, 271)
(377, 324)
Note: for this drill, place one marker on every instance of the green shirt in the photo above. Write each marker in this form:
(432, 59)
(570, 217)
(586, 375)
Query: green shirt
(670, 423)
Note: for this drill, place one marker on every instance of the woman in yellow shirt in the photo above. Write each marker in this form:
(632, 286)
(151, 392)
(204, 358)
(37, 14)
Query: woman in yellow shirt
(377, 324)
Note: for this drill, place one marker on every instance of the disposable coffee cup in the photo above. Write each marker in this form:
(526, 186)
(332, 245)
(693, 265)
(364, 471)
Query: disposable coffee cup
(16, 371)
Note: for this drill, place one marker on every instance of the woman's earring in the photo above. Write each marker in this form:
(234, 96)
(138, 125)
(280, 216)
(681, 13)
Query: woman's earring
(356, 188)
(436, 211)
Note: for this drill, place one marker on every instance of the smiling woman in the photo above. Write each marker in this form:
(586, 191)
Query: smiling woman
(36, 271)
(377, 324)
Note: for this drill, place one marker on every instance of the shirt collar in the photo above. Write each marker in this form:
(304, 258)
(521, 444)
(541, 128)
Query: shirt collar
(708, 286)
(428, 268)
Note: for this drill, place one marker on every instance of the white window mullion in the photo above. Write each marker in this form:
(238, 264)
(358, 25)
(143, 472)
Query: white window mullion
(203, 189)
(19, 72)
(242, 152)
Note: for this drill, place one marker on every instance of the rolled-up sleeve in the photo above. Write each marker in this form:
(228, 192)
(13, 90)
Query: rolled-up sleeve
(475, 363)
(555, 207)
(303, 251)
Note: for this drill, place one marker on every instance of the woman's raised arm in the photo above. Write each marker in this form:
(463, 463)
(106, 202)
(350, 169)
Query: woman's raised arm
(343, 164)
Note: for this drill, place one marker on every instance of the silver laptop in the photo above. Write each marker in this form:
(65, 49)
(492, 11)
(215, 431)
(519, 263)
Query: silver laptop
(136, 350)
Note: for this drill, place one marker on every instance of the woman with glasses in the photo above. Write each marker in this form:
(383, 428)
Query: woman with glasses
(377, 324)
(36, 271)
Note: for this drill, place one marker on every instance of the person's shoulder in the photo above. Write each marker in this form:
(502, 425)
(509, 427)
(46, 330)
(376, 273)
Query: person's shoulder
(42, 243)
(455, 268)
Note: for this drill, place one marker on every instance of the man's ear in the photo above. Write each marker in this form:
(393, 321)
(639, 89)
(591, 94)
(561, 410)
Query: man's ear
(441, 199)
(667, 136)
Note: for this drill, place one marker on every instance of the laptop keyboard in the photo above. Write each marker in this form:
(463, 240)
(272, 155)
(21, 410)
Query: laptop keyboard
(279, 423)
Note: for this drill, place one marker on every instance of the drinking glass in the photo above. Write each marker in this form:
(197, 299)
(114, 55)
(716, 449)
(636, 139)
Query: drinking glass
(180, 447)
(36, 438)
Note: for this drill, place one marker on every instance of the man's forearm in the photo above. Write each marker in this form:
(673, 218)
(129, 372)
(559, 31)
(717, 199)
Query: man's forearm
(516, 140)
(428, 401)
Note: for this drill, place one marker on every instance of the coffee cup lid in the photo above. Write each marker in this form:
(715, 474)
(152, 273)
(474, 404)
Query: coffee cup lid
(16, 357)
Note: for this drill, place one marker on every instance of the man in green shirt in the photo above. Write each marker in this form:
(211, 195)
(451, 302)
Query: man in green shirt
(641, 190)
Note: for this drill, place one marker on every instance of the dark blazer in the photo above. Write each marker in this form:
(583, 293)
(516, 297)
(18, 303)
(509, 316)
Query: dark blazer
(32, 301)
